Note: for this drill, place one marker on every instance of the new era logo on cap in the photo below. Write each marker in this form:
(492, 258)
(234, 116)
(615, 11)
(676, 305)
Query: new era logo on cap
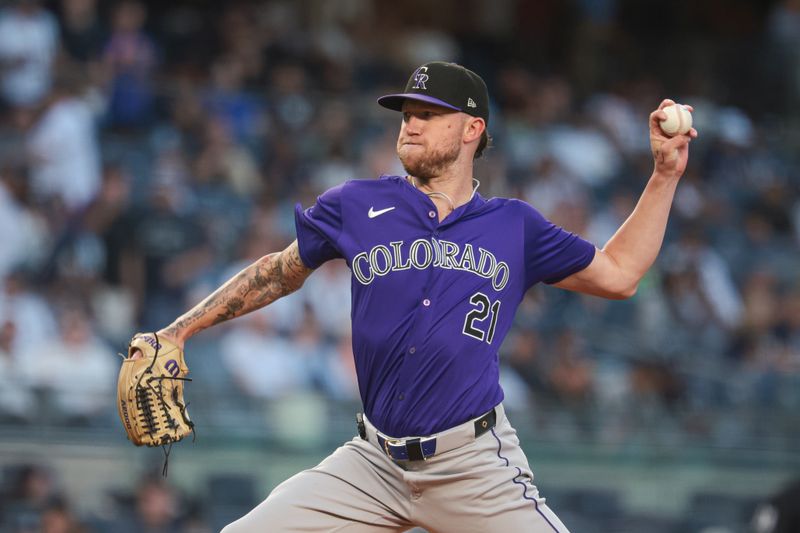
(445, 84)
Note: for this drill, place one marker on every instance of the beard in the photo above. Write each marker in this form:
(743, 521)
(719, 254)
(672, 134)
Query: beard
(426, 164)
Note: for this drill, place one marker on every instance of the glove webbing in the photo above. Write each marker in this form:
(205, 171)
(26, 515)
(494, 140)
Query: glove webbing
(145, 398)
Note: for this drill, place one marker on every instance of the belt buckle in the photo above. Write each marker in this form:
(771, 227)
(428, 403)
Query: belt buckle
(386, 443)
(424, 457)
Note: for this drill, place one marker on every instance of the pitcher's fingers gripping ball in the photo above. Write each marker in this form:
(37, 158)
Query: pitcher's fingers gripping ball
(678, 120)
(670, 133)
(150, 392)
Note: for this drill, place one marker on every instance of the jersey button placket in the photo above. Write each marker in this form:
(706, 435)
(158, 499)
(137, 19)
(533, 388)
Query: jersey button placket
(408, 369)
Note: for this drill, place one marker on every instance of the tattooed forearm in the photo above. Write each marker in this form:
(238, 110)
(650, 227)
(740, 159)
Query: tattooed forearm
(259, 284)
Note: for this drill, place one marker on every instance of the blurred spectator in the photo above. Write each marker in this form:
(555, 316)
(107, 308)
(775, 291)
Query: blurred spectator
(172, 164)
(761, 309)
(610, 216)
(164, 253)
(242, 113)
(716, 284)
(31, 490)
(187, 117)
(702, 303)
(421, 44)
(572, 214)
(344, 369)
(523, 356)
(761, 246)
(783, 34)
(262, 363)
(129, 60)
(551, 186)
(758, 346)
(82, 32)
(333, 131)
(584, 151)
(31, 315)
(28, 47)
(323, 359)
(380, 156)
(694, 199)
(654, 384)
(110, 217)
(23, 230)
(63, 148)
(245, 31)
(156, 509)
(620, 119)
(222, 161)
(292, 104)
(328, 295)
(57, 517)
(110, 212)
(787, 331)
(77, 369)
(16, 398)
(571, 372)
(284, 170)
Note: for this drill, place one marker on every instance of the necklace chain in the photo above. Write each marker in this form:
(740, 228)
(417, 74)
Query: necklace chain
(445, 196)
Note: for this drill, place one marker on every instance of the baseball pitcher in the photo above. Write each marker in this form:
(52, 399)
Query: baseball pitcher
(437, 274)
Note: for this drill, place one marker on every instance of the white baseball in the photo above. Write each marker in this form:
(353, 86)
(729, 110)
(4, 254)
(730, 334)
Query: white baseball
(678, 122)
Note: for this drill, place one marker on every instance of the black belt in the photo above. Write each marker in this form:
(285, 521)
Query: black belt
(420, 448)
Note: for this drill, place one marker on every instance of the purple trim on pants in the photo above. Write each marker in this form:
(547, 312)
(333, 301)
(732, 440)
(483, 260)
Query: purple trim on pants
(518, 482)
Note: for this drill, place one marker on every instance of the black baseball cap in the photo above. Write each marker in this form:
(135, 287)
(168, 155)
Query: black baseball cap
(445, 84)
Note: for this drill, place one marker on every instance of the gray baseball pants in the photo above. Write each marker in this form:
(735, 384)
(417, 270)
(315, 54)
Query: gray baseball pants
(481, 486)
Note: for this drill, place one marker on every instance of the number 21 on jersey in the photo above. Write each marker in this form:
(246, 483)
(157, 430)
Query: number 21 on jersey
(483, 308)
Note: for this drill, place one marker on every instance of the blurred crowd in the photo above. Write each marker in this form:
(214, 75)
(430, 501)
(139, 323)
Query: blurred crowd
(148, 151)
(34, 500)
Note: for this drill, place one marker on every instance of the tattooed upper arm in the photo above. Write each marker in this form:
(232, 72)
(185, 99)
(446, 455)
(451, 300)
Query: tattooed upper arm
(292, 269)
(275, 275)
(261, 283)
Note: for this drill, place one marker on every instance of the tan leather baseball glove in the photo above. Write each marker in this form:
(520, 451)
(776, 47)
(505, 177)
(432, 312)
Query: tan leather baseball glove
(150, 392)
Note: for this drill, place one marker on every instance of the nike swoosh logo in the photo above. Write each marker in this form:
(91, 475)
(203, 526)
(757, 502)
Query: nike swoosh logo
(372, 213)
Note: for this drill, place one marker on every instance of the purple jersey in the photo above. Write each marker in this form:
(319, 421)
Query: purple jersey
(432, 301)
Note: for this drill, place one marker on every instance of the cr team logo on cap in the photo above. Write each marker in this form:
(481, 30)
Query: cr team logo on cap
(421, 77)
(449, 85)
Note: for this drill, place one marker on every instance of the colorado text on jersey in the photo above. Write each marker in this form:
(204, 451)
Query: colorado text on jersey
(424, 253)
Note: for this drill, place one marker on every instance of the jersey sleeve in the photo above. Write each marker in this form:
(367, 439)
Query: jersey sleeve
(319, 227)
(552, 253)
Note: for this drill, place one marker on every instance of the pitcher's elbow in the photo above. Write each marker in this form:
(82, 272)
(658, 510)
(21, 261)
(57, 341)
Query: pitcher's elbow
(629, 291)
(623, 292)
